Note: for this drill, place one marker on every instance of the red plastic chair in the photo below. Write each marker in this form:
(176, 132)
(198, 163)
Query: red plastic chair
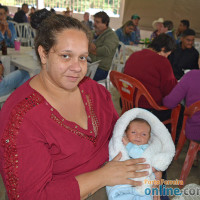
(194, 147)
(131, 90)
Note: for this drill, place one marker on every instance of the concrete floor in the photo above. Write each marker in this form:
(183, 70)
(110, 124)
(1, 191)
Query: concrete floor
(173, 171)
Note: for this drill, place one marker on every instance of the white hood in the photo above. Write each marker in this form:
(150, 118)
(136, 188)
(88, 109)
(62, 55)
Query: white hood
(161, 148)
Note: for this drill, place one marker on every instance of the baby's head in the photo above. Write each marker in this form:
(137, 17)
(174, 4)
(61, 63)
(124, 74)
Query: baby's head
(138, 131)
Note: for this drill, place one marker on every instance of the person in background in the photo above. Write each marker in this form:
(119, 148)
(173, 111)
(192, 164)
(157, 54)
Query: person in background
(64, 157)
(31, 12)
(135, 19)
(184, 24)
(68, 12)
(168, 28)
(20, 16)
(154, 72)
(187, 89)
(157, 26)
(53, 10)
(87, 22)
(7, 29)
(7, 14)
(11, 81)
(126, 33)
(104, 45)
(185, 56)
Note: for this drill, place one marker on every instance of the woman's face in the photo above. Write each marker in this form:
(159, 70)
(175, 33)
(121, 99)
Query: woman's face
(66, 63)
(129, 29)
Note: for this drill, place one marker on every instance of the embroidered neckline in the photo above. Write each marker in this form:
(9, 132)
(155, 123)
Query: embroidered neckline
(93, 122)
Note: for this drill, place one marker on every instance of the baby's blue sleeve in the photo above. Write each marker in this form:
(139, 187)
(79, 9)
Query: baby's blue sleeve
(133, 151)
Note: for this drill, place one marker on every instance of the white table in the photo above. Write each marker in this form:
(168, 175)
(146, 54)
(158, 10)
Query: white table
(5, 59)
(24, 59)
(133, 48)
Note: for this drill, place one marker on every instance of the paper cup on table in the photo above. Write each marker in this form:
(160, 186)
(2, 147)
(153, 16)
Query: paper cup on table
(17, 45)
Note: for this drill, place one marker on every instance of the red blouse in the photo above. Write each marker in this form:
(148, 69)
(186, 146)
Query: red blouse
(154, 72)
(41, 153)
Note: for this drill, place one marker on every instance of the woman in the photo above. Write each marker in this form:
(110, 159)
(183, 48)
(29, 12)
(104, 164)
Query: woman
(188, 89)
(56, 127)
(126, 33)
(152, 68)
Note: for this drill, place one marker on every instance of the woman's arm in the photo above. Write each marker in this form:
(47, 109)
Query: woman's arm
(177, 94)
(31, 174)
(113, 173)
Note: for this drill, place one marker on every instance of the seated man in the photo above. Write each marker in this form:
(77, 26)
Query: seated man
(104, 45)
(20, 16)
(184, 24)
(7, 29)
(87, 22)
(185, 56)
(12, 80)
(168, 28)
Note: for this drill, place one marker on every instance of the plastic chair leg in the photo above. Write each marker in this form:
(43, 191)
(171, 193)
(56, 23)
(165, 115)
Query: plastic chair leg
(180, 145)
(191, 154)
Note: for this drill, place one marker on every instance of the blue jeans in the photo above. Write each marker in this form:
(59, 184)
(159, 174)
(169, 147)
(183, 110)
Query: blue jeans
(12, 81)
(100, 74)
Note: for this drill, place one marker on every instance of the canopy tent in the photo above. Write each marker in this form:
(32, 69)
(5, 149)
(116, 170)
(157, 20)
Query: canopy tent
(174, 10)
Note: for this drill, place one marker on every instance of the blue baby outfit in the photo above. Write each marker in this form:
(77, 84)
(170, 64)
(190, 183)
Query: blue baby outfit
(127, 192)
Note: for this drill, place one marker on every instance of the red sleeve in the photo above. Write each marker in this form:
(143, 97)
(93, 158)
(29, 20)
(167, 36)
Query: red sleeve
(32, 170)
(167, 78)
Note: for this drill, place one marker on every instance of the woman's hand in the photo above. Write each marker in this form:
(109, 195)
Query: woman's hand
(118, 172)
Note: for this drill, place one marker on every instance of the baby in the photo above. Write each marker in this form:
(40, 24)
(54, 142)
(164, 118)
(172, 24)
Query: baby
(138, 133)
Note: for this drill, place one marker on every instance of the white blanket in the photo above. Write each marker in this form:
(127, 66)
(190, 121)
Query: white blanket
(161, 148)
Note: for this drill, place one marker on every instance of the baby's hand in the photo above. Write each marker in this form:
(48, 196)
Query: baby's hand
(125, 140)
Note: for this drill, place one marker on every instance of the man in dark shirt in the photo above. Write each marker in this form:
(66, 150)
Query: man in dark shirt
(20, 16)
(184, 25)
(185, 56)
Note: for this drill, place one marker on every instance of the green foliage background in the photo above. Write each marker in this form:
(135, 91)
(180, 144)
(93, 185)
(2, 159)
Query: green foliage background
(76, 5)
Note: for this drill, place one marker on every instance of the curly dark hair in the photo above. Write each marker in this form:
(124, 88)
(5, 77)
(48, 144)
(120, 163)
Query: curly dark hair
(163, 41)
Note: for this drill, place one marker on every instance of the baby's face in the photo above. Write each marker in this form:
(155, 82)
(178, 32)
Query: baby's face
(138, 133)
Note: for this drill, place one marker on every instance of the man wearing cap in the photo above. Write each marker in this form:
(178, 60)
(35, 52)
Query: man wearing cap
(135, 18)
(185, 56)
